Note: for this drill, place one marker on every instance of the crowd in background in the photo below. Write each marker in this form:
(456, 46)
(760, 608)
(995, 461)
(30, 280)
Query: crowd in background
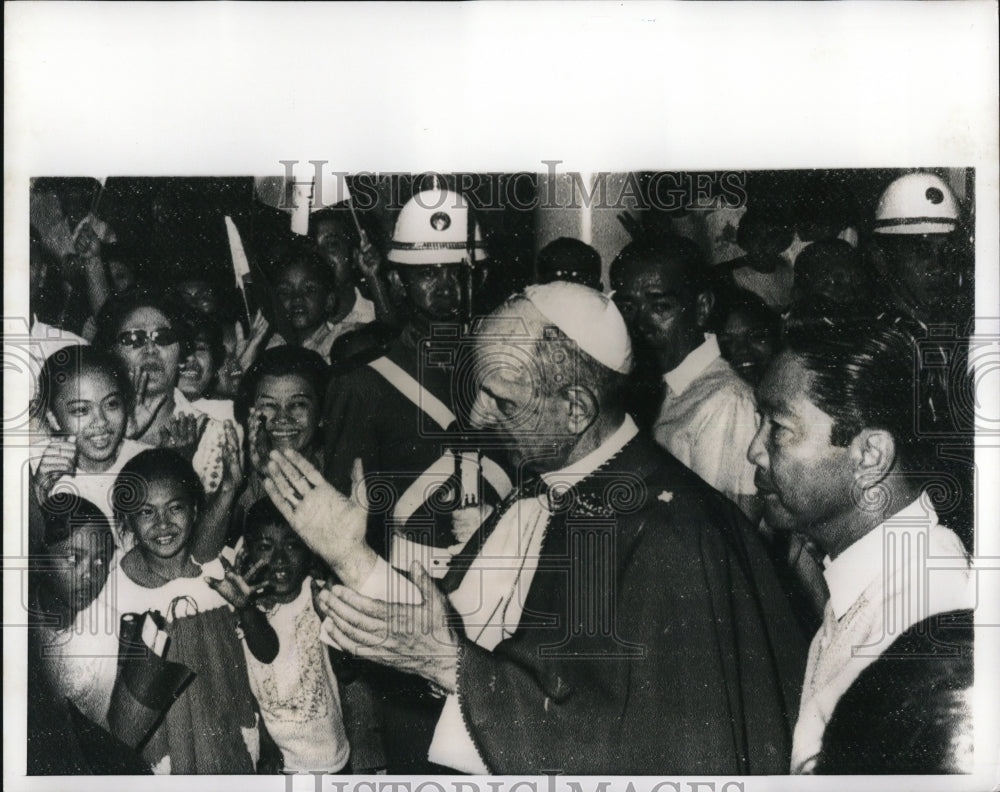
(166, 391)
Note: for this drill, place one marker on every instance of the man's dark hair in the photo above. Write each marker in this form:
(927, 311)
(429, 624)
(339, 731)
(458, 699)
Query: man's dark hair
(280, 361)
(566, 256)
(677, 251)
(759, 227)
(341, 219)
(864, 375)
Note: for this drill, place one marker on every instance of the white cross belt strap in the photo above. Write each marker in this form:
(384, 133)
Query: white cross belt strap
(430, 404)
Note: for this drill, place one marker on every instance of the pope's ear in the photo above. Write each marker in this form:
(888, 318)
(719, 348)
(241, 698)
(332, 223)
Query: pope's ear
(582, 408)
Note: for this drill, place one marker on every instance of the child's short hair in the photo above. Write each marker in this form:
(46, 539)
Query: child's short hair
(281, 361)
(260, 515)
(752, 306)
(64, 513)
(342, 221)
(199, 327)
(305, 252)
(64, 364)
(130, 488)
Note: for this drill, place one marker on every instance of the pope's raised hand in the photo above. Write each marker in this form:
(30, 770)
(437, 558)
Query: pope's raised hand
(330, 523)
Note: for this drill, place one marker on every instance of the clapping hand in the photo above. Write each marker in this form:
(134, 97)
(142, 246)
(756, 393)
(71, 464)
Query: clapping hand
(232, 463)
(183, 433)
(416, 639)
(258, 443)
(58, 460)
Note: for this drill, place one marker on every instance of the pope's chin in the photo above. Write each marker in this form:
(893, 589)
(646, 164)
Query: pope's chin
(537, 456)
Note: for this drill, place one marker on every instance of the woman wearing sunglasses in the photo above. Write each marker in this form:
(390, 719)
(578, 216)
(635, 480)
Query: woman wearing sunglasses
(150, 337)
(148, 334)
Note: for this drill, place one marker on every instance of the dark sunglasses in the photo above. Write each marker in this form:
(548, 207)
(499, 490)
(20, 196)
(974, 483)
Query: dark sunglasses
(137, 339)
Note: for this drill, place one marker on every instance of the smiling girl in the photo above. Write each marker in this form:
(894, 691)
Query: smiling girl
(158, 498)
(86, 397)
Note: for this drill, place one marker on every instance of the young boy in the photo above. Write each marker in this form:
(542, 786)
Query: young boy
(307, 293)
(297, 692)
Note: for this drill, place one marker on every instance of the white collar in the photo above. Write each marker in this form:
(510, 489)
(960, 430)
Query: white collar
(583, 467)
(699, 359)
(853, 570)
(182, 403)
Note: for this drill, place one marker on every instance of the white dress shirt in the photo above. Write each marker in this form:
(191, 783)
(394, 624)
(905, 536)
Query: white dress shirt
(907, 569)
(708, 419)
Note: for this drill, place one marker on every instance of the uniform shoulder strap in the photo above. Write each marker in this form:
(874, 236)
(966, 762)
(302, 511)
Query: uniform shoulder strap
(430, 404)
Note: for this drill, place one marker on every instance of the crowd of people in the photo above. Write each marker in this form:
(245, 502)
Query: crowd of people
(392, 514)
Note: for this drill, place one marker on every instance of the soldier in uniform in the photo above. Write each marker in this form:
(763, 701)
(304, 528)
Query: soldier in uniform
(921, 249)
(429, 488)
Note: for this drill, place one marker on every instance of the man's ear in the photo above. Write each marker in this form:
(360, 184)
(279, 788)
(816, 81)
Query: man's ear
(704, 304)
(582, 408)
(397, 289)
(873, 452)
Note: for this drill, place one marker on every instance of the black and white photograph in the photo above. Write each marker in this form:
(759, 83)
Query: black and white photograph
(328, 464)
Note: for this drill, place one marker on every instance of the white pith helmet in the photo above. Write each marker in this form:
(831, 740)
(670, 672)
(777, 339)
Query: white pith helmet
(433, 228)
(917, 203)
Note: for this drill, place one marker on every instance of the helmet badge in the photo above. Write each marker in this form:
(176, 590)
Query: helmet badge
(440, 221)
(934, 195)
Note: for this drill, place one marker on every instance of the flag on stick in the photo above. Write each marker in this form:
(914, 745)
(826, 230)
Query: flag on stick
(301, 197)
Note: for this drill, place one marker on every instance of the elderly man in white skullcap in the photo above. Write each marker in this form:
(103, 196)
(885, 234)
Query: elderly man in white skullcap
(614, 614)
